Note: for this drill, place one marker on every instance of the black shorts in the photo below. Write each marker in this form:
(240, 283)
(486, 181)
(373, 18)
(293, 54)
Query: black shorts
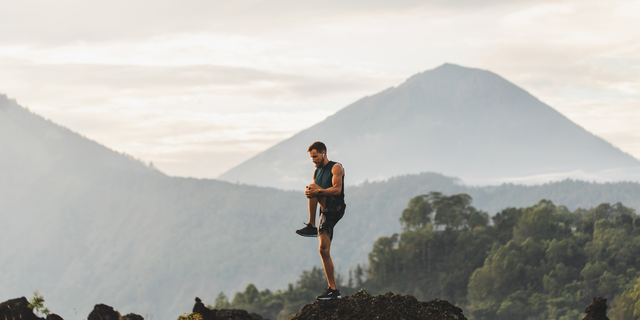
(330, 216)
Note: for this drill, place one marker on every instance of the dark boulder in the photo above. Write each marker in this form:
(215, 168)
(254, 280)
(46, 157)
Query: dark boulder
(104, 312)
(53, 316)
(234, 314)
(389, 306)
(223, 314)
(597, 310)
(17, 309)
(131, 316)
(206, 313)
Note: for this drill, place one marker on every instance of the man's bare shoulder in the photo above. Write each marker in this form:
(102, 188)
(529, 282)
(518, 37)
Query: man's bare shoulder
(337, 169)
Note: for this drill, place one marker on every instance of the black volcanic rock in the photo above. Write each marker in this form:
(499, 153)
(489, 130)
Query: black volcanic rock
(362, 306)
(235, 314)
(223, 314)
(206, 313)
(132, 316)
(17, 309)
(597, 310)
(53, 316)
(104, 312)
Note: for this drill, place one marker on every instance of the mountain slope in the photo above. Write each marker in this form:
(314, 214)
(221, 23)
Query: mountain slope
(464, 122)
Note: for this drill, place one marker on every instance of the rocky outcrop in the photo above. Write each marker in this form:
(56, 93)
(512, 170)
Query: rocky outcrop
(17, 309)
(132, 316)
(235, 314)
(597, 310)
(104, 312)
(53, 316)
(223, 314)
(363, 306)
(206, 313)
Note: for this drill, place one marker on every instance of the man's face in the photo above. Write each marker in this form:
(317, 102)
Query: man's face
(317, 158)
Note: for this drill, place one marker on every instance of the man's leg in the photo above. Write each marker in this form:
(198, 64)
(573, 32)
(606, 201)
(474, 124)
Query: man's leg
(325, 254)
(310, 229)
(313, 208)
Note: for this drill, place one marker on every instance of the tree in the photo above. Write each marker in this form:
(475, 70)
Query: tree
(540, 222)
(222, 302)
(627, 305)
(452, 211)
(417, 214)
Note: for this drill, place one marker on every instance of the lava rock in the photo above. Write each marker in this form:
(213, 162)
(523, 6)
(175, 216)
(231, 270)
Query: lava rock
(53, 316)
(206, 313)
(104, 312)
(234, 314)
(17, 309)
(363, 306)
(597, 310)
(131, 316)
(256, 316)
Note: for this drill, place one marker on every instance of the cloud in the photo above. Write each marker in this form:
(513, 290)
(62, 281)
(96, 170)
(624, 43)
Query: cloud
(70, 21)
(164, 78)
(629, 9)
(528, 16)
(109, 81)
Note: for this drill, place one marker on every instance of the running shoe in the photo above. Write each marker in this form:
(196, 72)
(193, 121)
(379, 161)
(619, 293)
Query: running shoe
(329, 294)
(308, 231)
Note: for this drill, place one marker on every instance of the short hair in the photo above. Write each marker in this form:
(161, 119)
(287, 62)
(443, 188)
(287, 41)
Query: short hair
(318, 146)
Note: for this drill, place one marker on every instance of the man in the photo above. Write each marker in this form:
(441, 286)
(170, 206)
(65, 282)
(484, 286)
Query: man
(327, 190)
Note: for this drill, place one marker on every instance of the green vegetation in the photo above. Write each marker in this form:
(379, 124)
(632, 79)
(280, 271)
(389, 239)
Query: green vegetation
(537, 262)
(190, 316)
(37, 304)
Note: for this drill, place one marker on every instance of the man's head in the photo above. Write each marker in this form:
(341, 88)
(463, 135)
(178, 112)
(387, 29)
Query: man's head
(318, 153)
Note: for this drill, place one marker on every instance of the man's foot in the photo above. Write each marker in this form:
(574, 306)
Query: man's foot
(329, 294)
(308, 231)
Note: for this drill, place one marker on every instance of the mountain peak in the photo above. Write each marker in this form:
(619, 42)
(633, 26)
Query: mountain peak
(459, 121)
(50, 149)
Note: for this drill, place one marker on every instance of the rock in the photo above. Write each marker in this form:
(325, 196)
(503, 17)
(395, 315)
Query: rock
(234, 314)
(256, 316)
(17, 309)
(388, 306)
(104, 312)
(597, 310)
(206, 313)
(53, 316)
(131, 316)
(223, 314)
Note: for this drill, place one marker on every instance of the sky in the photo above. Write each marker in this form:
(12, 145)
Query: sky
(198, 86)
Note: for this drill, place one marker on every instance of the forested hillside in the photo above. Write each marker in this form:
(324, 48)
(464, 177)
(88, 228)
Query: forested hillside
(537, 262)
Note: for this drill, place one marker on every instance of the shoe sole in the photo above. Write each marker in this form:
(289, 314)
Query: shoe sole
(307, 235)
(332, 298)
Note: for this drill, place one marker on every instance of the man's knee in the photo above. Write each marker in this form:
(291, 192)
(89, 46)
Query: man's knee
(325, 244)
(324, 250)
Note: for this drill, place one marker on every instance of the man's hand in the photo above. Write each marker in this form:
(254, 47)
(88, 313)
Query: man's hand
(312, 190)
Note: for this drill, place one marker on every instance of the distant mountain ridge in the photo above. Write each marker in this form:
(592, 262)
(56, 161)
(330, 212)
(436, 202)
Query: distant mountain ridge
(458, 121)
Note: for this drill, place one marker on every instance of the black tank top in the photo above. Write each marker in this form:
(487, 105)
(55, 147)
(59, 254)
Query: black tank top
(324, 178)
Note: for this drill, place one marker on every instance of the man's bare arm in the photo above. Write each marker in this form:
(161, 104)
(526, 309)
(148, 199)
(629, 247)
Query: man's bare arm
(311, 193)
(335, 190)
